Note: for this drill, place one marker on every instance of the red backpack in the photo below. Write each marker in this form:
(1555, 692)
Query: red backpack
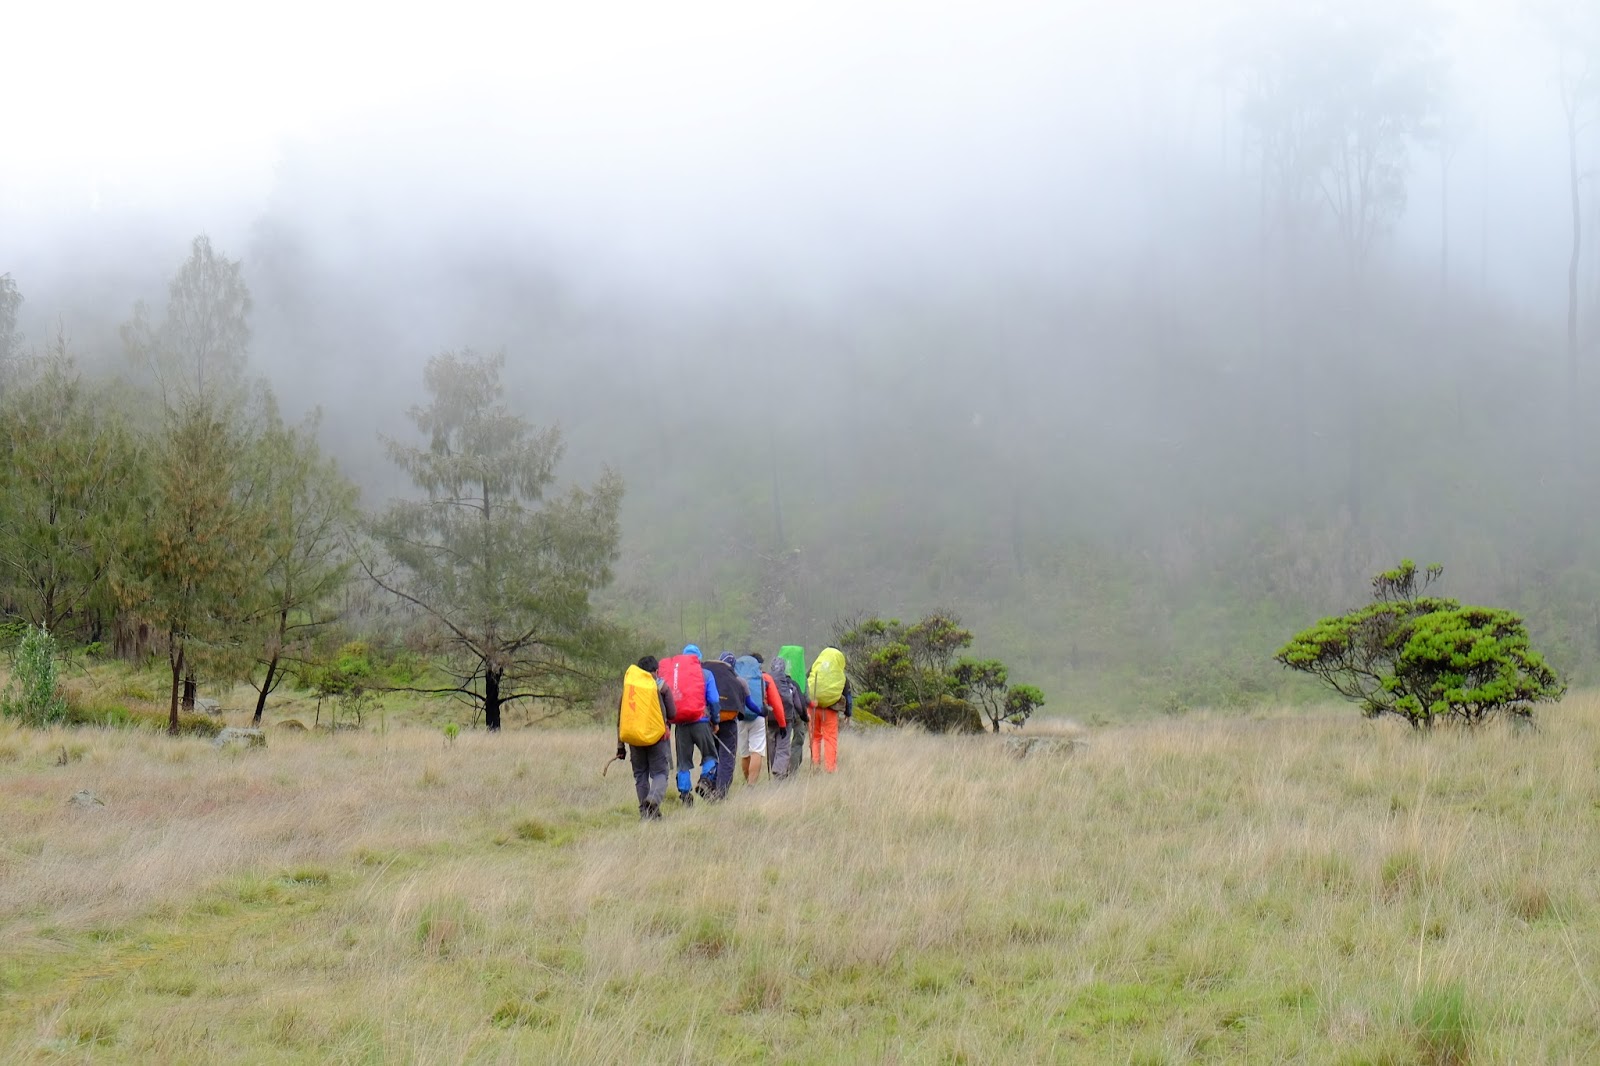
(683, 675)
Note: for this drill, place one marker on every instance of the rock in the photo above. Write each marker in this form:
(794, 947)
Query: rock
(211, 707)
(250, 738)
(293, 725)
(85, 799)
(1021, 747)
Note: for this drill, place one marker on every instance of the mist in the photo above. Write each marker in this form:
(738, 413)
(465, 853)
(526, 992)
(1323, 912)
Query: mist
(1000, 311)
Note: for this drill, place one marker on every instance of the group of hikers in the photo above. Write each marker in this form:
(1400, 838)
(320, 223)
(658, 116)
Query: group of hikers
(734, 707)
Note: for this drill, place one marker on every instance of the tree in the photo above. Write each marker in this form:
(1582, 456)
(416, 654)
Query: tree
(70, 473)
(10, 339)
(983, 684)
(198, 351)
(501, 570)
(309, 507)
(909, 674)
(196, 572)
(1425, 658)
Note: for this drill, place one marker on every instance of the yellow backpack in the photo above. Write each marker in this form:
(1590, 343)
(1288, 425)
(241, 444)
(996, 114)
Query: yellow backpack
(826, 682)
(640, 724)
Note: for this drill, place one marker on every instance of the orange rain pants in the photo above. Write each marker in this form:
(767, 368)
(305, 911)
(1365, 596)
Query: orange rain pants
(825, 739)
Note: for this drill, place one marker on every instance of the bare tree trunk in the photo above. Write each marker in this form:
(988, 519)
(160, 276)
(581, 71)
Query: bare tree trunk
(266, 687)
(190, 689)
(175, 651)
(491, 700)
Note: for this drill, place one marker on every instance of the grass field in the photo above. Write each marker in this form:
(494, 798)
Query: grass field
(1271, 888)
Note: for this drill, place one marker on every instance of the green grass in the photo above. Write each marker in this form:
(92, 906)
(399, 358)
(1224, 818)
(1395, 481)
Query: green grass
(1212, 890)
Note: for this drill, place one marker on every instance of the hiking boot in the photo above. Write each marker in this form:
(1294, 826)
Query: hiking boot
(704, 788)
(687, 798)
(651, 812)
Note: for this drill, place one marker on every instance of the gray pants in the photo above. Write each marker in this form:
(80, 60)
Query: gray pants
(777, 749)
(692, 737)
(650, 766)
(797, 744)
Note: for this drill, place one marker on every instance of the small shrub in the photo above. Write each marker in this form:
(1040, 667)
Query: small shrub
(531, 829)
(442, 926)
(34, 695)
(1441, 1021)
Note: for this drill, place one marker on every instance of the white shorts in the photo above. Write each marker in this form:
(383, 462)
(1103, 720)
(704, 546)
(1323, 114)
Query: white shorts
(752, 737)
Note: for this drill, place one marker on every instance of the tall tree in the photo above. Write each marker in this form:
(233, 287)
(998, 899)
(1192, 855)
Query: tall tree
(500, 569)
(197, 571)
(10, 339)
(199, 349)
(69, 473)
(309, 507)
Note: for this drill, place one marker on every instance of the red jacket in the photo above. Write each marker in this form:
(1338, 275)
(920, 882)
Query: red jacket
(775, 700)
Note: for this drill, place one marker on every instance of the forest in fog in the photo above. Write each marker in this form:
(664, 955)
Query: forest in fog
(1136, 340)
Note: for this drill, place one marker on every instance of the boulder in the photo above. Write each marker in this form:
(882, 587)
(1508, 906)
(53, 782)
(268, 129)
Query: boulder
(211, 707)
(292, 725)
(85, 799)
(249, 738)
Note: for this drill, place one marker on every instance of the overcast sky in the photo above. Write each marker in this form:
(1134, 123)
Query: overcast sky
(654, 135)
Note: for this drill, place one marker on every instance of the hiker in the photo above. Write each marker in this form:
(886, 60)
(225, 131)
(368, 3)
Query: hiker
(785, 738)
(830, 694)
(734, 697)
(794, 658)
(642, 735)
(754, 718)
(695, 699)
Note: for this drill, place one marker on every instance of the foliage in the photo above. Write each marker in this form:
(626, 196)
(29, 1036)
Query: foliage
(1425, 658)
(105, 714)
(10, 339)
(499, 571)
(70, 474)
(309, 508)
(909, 674)
(194, 574)
(983, 684)
(33, 696)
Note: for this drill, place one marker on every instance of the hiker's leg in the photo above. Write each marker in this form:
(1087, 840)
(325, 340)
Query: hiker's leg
(707, 745)
(727, 738)
(755, 739)
(639, 758)
(828, 733)
(778, 751)
(658, 758)
(816, 736)
(685, 740)
(797, 745)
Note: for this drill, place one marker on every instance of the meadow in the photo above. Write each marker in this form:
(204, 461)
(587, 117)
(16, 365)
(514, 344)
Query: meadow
(1280, 886)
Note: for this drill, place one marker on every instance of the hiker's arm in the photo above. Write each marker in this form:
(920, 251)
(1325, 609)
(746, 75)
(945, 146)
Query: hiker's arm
(849, 699)
(775, 698)
(713, 698)
(622, 752)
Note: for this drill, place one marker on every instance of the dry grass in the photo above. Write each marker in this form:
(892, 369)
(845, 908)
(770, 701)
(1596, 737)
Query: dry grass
(1277, 889)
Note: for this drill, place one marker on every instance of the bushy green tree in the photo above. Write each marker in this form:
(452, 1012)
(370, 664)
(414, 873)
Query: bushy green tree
(1425, 658)
(308, 507)
(984, 684)
(195, 573)
(500, 570)
(33, 696)
(70, 472)
(910, 674)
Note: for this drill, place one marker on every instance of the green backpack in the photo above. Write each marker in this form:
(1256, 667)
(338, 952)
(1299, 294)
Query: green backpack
(795, 656)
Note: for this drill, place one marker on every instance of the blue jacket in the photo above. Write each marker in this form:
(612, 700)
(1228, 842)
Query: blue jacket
(712, 696)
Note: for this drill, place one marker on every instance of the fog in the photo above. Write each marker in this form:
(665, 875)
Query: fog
(1002, 304)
